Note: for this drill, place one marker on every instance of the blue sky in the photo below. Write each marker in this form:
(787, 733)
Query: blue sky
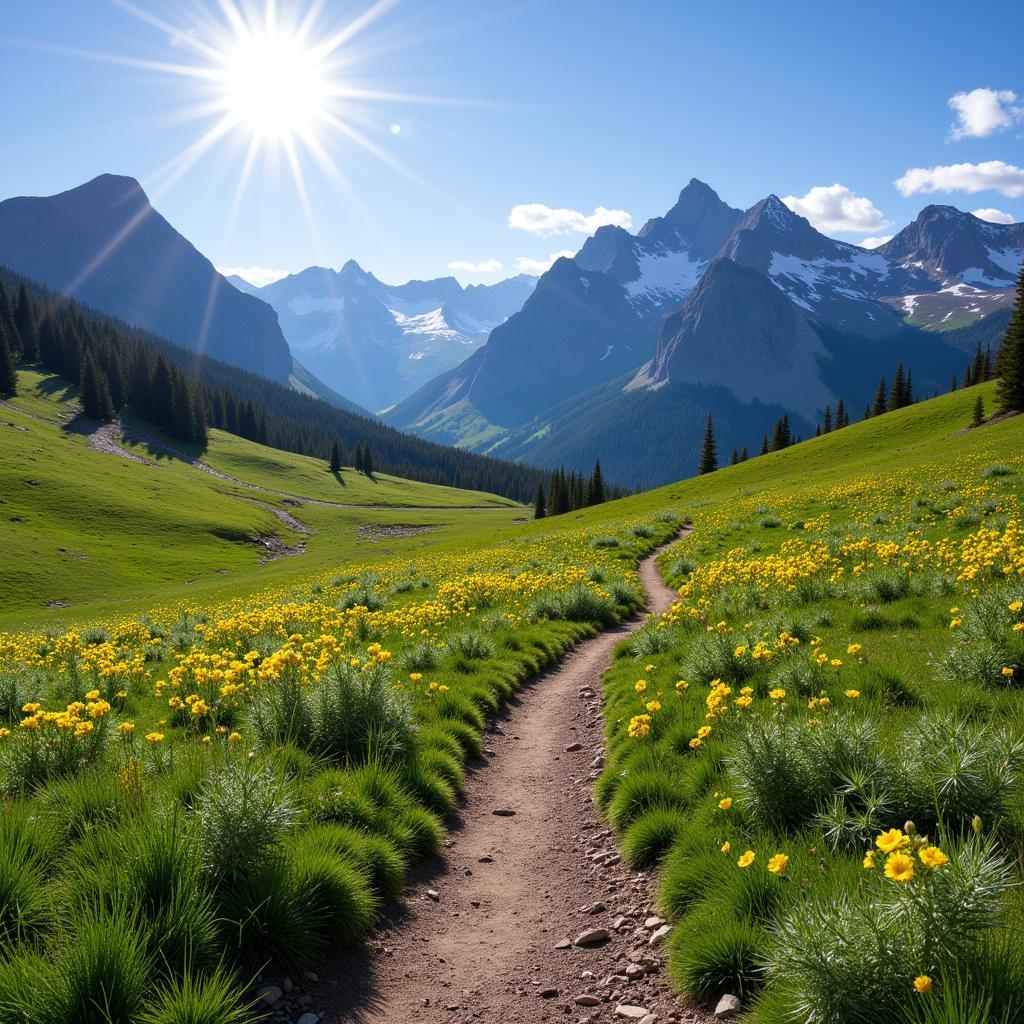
(575, 105)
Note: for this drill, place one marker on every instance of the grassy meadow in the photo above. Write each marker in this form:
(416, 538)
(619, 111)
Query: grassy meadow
(819, 745)
(204, 780)
(96, 533)
(225, 779)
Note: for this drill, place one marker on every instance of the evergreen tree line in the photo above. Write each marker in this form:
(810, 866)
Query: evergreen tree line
(980, 369)
(569, 493)
(898, 396)
(1009, 363)
(62, 338)
(119, 366)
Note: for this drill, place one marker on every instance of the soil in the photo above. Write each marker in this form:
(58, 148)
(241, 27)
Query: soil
(474, 938)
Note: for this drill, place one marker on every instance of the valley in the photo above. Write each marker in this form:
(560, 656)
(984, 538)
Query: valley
(459, 567)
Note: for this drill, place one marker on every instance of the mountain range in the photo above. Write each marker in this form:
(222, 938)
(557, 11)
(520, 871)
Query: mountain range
(103, 243)
(619, 352)
(378, 343)
(746, 314)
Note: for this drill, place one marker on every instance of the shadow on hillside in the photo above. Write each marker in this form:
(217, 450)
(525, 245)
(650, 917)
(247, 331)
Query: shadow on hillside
(339, 477)
(59, 388)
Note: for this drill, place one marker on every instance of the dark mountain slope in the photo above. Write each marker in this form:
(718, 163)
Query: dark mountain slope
(104, 243)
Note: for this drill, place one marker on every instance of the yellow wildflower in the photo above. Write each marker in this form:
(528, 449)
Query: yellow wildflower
(899, 867)
(892, 840)
(932, 857)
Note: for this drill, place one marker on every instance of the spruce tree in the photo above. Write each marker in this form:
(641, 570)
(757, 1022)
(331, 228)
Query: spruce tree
(25, 320)
(94, 392)
(1010, 360)
(8, 368)
(595, 488)
(335, 458)
(357, 459)
(881, 401)
(826, 426)
(744, 455)
(952, 384)
(183, 413)
(764, 445)
(896, 392)
(842, 416)
(539, 510)
(368, 462)
(708, 455)
(561, 499)
(734, 458)
(978, 416)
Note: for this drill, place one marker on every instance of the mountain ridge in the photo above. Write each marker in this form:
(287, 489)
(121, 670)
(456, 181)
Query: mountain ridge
(104, 243)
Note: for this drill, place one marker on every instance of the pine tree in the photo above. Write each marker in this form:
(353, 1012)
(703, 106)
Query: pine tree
(357, 459)
(826, 426)
(896, 392)
(94, 391)
(335, 458)
(8, 367)
(764, 445)
(595, 488)
(734, 458)
(708, 455)
(952, 385)
(161, 397)
(881, 401)
(744, 456)
(978, 416)
(563, 503)
(781, 437)
(539, 510)
(908, 388)
(25, 321)
(368, 462)
(183, 413)
(842, 416)
(1010, 360)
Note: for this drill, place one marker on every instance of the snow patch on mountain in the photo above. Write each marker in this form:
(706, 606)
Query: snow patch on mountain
(1008, 260)
(674, 273)
(804, 281)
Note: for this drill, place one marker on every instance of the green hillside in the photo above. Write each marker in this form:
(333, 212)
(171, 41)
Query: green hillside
(104, 531)
(843, 658)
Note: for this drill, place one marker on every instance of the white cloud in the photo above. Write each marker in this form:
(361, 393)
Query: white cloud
(981, 112)
(530, 266)
(543, 220)
(491, 266)
(258, 276)
(832, 208)
(991, 174)
(993, 216)
(874, 241)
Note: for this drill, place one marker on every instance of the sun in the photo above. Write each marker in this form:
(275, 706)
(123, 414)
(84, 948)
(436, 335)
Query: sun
(274, 85)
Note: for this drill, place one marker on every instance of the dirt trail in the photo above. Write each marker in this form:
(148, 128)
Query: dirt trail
(510, 888)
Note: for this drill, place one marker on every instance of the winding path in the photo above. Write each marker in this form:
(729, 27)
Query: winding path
(510, 888)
